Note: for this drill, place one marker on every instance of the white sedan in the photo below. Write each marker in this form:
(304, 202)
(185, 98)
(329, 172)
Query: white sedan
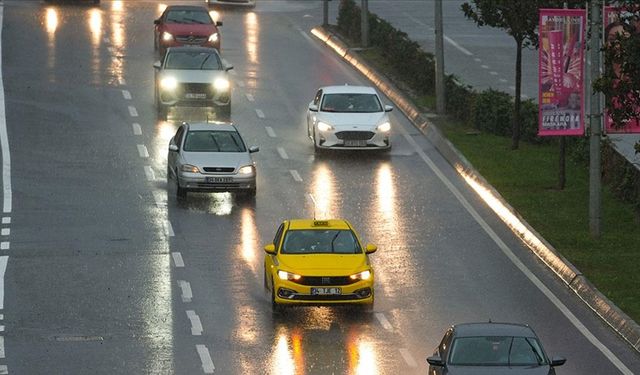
(246, 3)
(348, 118)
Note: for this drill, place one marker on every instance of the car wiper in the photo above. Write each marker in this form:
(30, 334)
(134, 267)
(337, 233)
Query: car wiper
(192, 20)
(213, 138)
(538, 356)
(237, 144)
(333, 240)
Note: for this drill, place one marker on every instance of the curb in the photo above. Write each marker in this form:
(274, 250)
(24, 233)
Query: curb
(626, 327)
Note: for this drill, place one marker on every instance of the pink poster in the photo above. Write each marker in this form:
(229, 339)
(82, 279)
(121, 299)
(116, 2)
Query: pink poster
(614, 25)
(561, 72)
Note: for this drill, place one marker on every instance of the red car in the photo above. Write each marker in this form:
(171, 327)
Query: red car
(181, 25)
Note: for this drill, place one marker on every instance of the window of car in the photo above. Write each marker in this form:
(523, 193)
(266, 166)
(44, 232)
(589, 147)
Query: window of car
(188, 17)
(178, 137)
(278, 236)
(316, 99)
(314, 241)
(496, 351)
(213, 141)
(193, 60)
(355, 103)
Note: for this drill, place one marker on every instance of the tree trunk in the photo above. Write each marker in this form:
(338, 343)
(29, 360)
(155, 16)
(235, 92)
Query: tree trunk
(515, 138)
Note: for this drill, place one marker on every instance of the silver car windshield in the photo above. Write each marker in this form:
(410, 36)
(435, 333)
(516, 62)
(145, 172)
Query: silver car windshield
(213, 141)
(496, 351)
(357, 103)
(315, 241)
(188, 16)
(193, 61)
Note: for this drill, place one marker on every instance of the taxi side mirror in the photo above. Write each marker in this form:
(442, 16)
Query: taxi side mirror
(270, 249)
(371, 248)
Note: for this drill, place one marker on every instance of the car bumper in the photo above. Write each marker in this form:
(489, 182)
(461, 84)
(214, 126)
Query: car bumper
(242, 3)
(360, 140)
(164, 44)
(290, 293)
(203, 97)
(213, 183)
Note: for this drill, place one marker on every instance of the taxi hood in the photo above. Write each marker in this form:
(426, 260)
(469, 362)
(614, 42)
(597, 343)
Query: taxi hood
(323, 264)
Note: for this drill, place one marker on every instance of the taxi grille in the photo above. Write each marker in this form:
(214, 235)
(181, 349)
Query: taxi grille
(325, 280)
(355, 135)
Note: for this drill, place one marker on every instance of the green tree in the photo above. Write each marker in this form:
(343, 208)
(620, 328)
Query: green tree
(519, 18)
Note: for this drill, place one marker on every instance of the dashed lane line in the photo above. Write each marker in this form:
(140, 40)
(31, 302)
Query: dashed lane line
(3, 268)
(383, 321)
(4, 245)
(187, 295)
(137, 129)
(282, 153)
(169, 229)
(270, 132)
(196, 325)
(133, 111)
(483, 66)
(177, 259)
(126, 94)
(259, 113)
(295, 175)
(205, 358)
(5, 231)
(250, 97)
(6, 220)
(142, 151)
(408, 358)
(148, 171)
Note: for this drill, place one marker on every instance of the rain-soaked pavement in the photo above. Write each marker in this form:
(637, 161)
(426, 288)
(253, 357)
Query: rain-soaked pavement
(109, 273)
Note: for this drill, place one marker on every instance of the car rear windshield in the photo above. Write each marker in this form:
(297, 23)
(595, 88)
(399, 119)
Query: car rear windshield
(213, 141)
(496, 351)
(314, 241)
(358, 103)
(188, 17)
(193, 60)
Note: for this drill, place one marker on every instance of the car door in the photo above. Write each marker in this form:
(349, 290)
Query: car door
(310, 122)
(270, 262)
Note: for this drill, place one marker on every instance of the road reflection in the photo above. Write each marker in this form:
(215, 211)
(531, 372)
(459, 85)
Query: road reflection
(323, 192)
(118, 40)
(249, 246)
(51, 24)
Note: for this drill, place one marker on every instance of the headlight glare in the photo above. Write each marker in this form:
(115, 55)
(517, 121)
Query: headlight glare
(323, 127)
(384, 127)
(221, 84)
(190, 168)
(213, 37)
(247, 169)
(284, 275)
(364, 275)
(167, 36)
(168, 83)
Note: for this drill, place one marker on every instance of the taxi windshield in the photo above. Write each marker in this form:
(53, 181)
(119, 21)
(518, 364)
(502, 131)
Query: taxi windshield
(315, 241)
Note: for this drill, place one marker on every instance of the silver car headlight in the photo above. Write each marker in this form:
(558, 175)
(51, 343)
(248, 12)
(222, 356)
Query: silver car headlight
(190, 168)
(247, 169)
(324, 127)
(168, 83)
(284, 275)
(364, 275)
(221, 84)
(213, 37)
(167, 37)
(384, 127)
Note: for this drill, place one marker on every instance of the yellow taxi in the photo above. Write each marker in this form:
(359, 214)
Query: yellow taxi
(318, 262)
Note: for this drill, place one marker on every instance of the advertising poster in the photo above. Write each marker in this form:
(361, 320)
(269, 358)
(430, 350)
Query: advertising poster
(613, 25)
(561, 72)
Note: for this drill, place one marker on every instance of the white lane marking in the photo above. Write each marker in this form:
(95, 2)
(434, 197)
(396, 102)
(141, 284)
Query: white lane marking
(2, 328)
(1, 316)
(3, 267)
(160, 199)
(477, 59)
(451, 41)
(5, 231)
(196, 325)
(514, 259)
(133, 111)
(4, 370)
(106, 40)
(177, 259)
(1, 346)
(283, 153)
(111, 50)
(383, 320)
(148, 171)
(524, 96)
(142, 151)
(126, 94)
(4, 245)
(205, 358)
(241, 84)
(137, 129)
(169, 229)
(493, 73)
(187, 296)
(296, 175)
(408, 357)
(250, 97)
(484, 66)
(503, 80)
(270, 131)
(259, 113)
(4, 139)
(512, 88)
(6, 220)
(121, 81)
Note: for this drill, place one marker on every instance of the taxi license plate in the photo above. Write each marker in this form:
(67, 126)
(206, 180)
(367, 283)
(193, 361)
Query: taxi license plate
(218, 179)
(355, 143)
(192, 95)
(325, 291)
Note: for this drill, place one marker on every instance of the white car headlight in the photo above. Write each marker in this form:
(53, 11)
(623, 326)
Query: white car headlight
(247, 169)
(221, 84)
(167, 37)
(190, 168)
(168, 83)
(384, 127)
(213, 37)
(324, 127)
(284, 275)
(364, 275)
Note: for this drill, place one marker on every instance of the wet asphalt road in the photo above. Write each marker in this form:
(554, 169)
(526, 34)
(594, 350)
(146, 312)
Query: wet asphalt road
(109, 273)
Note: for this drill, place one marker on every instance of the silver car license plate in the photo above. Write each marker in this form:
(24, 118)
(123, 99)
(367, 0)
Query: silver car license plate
(355, 143)
(326, 291)
(193, 95)
(218, 179)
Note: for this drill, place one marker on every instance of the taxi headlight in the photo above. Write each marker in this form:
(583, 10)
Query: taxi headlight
(364, 275)
(221, 84)
(190, 168)
(284, 275)
(213, 37)
(167, 37)
(384, 127)
(324, 127)
(247, 169)
(168, 83)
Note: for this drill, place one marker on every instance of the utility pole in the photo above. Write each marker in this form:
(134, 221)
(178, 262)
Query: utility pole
(325, 13)
(440, 87)
(364, 23)
(595, 183)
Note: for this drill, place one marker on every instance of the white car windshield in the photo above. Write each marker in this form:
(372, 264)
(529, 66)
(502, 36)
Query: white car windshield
(356, 103)
(316, 241)
(188, 16)
(192, 60)
(496, 351)
(213, 141)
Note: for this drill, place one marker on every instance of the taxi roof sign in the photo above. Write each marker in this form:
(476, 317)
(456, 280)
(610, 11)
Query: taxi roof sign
(320, 223)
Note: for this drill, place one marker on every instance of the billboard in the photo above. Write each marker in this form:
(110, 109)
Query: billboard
(561, 72)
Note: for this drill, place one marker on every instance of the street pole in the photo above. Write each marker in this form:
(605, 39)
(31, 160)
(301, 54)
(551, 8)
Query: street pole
(364, 23)
(595, 183)
(440, 87)
(325, 13)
